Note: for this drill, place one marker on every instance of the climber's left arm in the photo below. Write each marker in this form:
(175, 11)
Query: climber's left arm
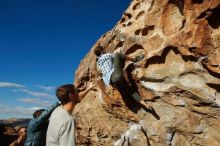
(82, 94)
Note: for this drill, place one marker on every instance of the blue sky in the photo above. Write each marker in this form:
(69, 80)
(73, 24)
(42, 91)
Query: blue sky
(41, 45)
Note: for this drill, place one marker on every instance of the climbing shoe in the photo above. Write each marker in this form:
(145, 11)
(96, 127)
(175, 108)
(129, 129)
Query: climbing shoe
(149, 106)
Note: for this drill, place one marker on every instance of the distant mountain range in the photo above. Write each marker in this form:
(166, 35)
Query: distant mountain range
(15, 122)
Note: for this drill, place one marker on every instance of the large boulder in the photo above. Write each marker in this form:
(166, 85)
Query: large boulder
(180, 75)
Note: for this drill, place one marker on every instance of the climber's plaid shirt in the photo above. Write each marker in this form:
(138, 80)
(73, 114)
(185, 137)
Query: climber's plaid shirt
(106, 66)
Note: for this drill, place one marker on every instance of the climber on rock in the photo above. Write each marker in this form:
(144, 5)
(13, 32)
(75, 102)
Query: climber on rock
(110, 68)
(61, 129)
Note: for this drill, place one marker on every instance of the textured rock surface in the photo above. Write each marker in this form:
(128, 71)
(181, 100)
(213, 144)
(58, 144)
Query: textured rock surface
(180, 75)
(9, 129)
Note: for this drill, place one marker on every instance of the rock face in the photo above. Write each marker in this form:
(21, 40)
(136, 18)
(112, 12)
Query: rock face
(7, 134)
(9, 129)
(180, 75)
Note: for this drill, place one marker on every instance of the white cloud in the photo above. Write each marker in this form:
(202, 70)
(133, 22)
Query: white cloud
(18, 110)
(36, 94)
(35, 101)
(22, 88)
(46, 88)
(8, 84)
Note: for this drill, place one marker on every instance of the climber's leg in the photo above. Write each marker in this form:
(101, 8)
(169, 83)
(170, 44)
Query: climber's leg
(138, 98)
(119, 63)
(118, 81)
(146, 105)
